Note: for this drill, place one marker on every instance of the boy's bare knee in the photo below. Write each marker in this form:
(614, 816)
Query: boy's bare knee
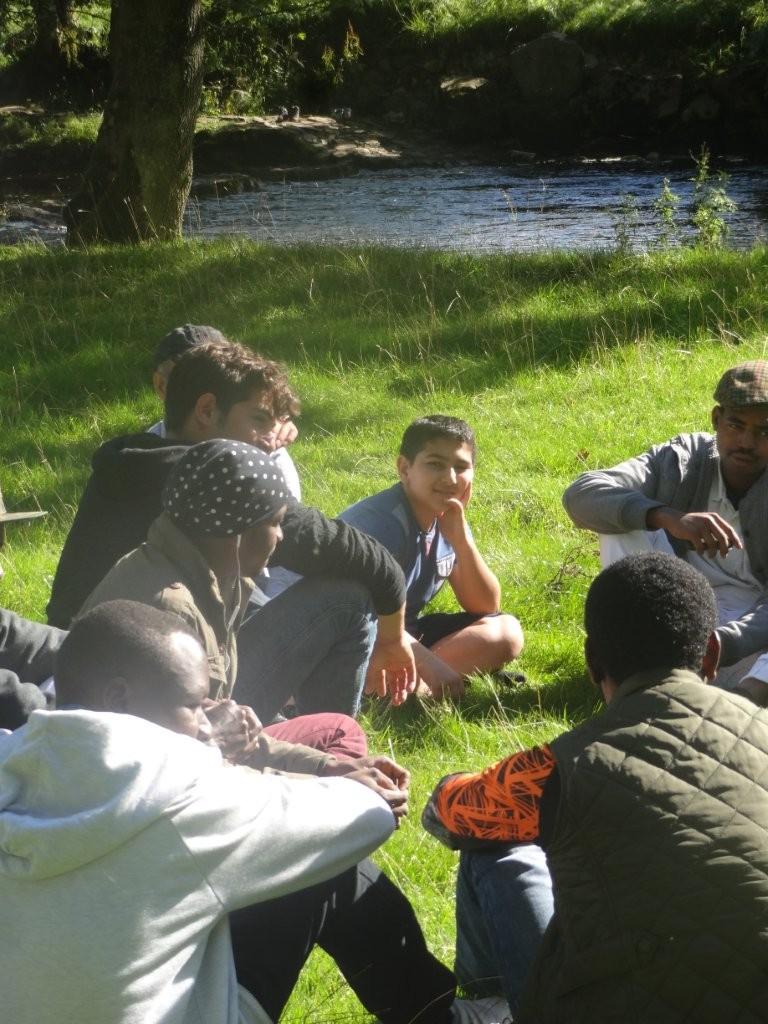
(509, 637)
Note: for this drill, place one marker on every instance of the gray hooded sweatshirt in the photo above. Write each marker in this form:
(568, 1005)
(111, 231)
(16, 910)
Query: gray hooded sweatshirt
(123, 846)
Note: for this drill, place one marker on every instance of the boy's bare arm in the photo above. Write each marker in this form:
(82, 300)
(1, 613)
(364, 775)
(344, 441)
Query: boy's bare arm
(476, 588)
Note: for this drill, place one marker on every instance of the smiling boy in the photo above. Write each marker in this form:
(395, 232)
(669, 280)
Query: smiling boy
(422, 521)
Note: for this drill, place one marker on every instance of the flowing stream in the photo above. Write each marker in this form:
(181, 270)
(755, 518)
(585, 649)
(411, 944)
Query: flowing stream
(477, 208)
(468, 208)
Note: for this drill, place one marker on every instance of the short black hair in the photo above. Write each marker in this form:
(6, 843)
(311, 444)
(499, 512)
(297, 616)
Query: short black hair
(427, 428)
(650, 611)
(232, 373)
(116, 639)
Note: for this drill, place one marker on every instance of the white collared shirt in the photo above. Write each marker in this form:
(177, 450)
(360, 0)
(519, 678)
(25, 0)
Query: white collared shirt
(736, 588)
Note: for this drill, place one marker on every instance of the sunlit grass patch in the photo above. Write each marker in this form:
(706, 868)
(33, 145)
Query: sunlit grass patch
(561, 363)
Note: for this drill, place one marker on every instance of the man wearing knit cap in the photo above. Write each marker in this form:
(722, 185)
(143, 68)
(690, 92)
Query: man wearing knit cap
(703, 497)
(222, 508)
(341, 624)
(223, 505)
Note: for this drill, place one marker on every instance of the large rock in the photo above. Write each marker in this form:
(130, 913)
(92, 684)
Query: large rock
(550, 68)
(470, 108)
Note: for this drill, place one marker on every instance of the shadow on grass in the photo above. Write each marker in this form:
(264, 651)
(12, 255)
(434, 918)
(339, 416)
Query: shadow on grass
(571, 699)
(84, 322)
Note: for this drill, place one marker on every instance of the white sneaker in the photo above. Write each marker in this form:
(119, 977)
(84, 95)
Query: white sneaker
(491, 1010)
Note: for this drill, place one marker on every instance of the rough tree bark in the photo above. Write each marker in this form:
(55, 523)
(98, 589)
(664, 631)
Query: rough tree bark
(138, 180)
(55, 46)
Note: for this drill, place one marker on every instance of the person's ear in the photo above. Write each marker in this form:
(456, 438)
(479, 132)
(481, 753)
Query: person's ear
(716, 414)
(159, 384)
(403, 465)
(595, 669)
(711, 659)
(206, 410)
(115, 695)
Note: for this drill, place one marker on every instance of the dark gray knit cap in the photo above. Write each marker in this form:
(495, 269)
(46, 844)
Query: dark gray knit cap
(222, 488)
(745, 384)
(182, 339)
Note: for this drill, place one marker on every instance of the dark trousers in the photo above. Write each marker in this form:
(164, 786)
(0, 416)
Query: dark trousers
(367, 925)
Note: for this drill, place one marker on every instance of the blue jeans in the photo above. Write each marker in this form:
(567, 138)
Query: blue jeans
(503, 906)
(313, 643)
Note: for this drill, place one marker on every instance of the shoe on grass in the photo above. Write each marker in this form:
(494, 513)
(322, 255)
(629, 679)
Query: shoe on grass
(508, 677)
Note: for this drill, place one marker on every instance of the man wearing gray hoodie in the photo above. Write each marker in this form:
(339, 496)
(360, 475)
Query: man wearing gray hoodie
(126, 843)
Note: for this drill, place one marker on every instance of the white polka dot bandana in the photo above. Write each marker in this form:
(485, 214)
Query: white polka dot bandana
(221, 488)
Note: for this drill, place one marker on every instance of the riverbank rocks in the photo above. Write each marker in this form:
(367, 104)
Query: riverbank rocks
(550, 68)
(314, 146)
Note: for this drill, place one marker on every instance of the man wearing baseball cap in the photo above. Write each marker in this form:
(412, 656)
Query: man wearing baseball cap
(703, 497)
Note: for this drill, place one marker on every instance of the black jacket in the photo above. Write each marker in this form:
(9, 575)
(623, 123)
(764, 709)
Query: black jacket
(27, 654)
(122, 498)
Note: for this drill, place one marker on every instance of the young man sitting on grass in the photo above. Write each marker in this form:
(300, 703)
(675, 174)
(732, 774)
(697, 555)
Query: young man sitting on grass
(223, 506)
(344, 618)
(703, 497)
(654, 817)
(422, 521)
(150, 877)
(169, 351)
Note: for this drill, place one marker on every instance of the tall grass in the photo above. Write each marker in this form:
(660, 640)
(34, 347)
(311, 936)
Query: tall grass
(561, 362)
(617, 24)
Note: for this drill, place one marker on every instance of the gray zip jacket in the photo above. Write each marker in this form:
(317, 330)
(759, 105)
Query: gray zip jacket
(678, 474)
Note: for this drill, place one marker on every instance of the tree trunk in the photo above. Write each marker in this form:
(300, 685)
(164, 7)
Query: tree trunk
(139, 176)
(55, 44)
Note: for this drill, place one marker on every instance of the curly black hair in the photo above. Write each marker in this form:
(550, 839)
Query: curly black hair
(649, 611)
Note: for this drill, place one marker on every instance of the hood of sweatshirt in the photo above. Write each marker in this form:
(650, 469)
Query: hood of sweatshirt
(134, 464)
(75, 785)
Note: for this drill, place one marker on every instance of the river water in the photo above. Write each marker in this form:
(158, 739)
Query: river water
(471, 208)
(476, 208)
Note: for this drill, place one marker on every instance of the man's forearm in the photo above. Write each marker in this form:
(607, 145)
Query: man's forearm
(743, 637)
(314, 545)
(475, 586)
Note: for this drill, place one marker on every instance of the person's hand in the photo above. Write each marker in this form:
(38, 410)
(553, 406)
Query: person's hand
(380, 774)
(754, 689)
(453, 524)
(707, 532)
(391, 670)
(395, 772)
(235, 727)
(285, 433)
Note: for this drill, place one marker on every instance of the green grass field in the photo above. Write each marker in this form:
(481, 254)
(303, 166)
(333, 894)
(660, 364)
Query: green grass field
(561, 362)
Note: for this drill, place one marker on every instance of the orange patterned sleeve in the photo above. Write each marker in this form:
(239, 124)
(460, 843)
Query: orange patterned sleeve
(501, 804)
